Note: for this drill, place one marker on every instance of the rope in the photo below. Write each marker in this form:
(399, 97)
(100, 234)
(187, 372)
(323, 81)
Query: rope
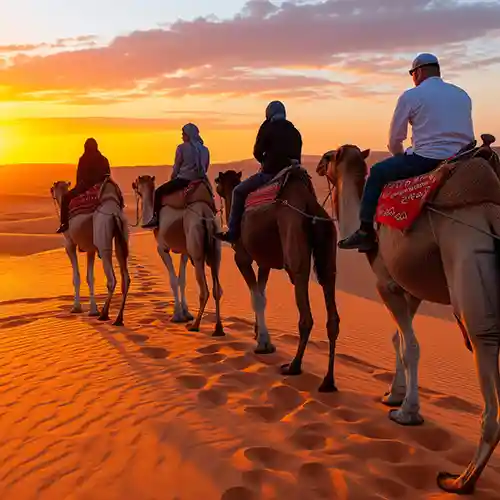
(314, 218)
(455, 219)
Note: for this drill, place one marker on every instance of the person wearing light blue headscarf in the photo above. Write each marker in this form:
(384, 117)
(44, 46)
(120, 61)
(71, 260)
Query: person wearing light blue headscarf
(192, 159)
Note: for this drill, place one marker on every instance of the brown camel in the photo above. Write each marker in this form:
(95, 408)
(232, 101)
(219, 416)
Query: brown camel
(187, 226)
(448, 256)
(93, 231)
(282, 233)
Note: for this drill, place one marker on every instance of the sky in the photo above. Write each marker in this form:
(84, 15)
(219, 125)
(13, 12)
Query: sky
(131, 73)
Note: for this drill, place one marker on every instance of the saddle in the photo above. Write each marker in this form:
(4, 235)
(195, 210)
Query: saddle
(270, 192)
(87, 202)
(475, 181)
(196, 191)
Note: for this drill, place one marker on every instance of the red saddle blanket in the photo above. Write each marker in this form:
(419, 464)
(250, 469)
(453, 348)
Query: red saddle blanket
(86, 202)
(401, 202)
(263, 195)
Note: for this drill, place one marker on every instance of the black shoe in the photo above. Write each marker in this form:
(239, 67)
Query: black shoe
(360, 240)
(62, 228)
(227, 236)
(152, 224)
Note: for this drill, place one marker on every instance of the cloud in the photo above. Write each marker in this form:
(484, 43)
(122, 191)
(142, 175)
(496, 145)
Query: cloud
(355, 35)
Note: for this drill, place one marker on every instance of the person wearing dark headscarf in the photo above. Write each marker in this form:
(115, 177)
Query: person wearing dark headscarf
(192, 160)
(277, 146)
(93, 168)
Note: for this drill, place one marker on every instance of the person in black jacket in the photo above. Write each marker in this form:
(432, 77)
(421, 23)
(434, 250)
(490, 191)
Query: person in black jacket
(277, 145)
(93, 168)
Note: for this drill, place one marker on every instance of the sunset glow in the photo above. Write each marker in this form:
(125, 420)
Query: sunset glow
(132, 73)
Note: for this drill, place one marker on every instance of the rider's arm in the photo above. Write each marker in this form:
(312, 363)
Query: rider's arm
(259, 148)
(177, 162)
(398, 130)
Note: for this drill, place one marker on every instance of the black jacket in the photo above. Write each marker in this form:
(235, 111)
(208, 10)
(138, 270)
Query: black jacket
(277, 143)
(93, 168)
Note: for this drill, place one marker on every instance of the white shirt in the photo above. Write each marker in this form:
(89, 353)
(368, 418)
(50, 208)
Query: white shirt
(441, 118)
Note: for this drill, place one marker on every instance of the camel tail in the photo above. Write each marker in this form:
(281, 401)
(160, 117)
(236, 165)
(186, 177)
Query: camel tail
(323, 241)
(121, 239)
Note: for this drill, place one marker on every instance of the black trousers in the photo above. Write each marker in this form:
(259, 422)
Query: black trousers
(168, 188)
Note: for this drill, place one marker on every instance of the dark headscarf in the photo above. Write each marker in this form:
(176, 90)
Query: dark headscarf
(275, 111)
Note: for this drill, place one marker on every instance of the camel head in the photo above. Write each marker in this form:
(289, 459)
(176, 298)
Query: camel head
(144, 186)
(226, 181)
(59, 189)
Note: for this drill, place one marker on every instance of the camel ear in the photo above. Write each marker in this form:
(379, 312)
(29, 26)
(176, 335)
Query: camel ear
(217, 180)
(365, 154)
(239, 174)
(153, 178)
(69, 183)
(134, 186)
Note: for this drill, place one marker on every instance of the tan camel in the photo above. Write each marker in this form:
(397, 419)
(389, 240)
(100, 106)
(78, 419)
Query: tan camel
(282, 234)
(187, 226)
(448, 256)
(94, 233)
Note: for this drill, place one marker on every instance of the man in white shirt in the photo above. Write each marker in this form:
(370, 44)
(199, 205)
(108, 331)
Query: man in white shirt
(440, 115)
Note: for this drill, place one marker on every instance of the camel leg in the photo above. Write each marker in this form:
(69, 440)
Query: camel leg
(201, 279)
(94, 311)
(332, 328)
(301, 285)
(395, 395)
(178, 317)
(125, 283)
(107, 263)
(475, 297)
(217, 289)
(73, 257)
(262, 278)
(182, 286)
(409, 413)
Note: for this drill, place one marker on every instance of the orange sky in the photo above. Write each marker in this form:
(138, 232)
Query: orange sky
(133, 90)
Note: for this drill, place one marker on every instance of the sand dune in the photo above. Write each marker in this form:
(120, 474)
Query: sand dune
(151, 411)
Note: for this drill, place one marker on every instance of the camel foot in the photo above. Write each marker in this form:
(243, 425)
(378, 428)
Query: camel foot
(180, 318)
(454, 483)
(392, 401)
(187, 315)
(219, 331)
(407, 419)
(93, 314)
(104, 317)
(291, 369)
(118, 322)
(328, 385)
(77, 309)
(193, 327)
(266, 348)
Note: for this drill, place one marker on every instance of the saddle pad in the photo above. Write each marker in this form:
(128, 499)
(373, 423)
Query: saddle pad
(86, 202)
(401, 202)
(191, 187)
(263, 196)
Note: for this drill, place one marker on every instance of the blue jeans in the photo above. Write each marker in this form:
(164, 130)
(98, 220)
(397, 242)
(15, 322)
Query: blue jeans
(396, 168)
(240, 193)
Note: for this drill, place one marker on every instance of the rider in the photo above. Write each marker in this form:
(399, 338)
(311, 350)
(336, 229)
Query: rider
(441, 118)
(278, 143)
(93, 168)
(192, 160)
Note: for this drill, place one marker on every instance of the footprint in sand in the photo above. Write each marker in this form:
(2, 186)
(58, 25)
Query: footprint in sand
(316, 477)
(154, 352)
(208, 359)
(240, 362)
(310, 436)
(209, 349)
(237, 346)
(358, 363)
(192, 381)
(15, 323)
(390, 451)
(433, 439)
(147, 321)
(415, 476)
(266, 413)
(285, 397)
(212, 397)
(307, 382)
(348, 415)
(238, 493)
(455, 403)
(137, 338)
(269, 458)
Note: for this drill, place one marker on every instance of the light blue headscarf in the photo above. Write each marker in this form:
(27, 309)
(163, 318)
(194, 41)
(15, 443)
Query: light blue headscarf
(275, 111)
(193, 133)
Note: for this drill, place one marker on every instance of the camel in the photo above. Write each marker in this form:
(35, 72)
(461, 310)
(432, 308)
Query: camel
(187, 226)
(92, 230)
(447, 256)
(281, 231)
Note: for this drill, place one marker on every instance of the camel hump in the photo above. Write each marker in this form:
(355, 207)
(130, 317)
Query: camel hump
(197, 191)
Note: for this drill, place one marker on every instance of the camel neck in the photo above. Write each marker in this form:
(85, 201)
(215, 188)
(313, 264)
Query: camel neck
(228, 200)
(349, 203)
(147, 205)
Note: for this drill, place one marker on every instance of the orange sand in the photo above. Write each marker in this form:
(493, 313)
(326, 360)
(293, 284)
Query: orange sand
(150, 411)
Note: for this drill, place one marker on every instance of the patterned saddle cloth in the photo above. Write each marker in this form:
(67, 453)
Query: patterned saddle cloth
(196, 191)
(86, 202)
